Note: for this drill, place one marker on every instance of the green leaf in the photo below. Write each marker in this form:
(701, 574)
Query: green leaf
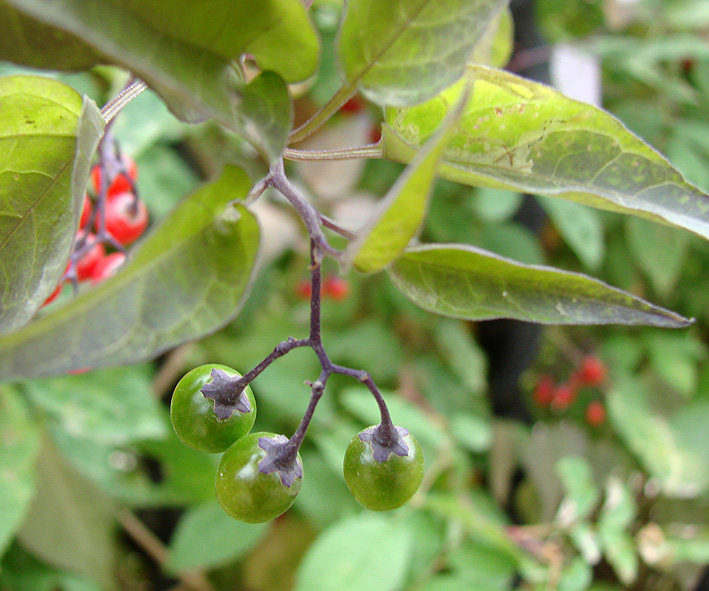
(618, 510)
(122, 472)
(582, 494)
(21, 571)
(576, 576)
(480, 566)
(43, 128)
(480, 517)
(277, 33)
(403, 52)
(673, 458)
(462, 352)
(689, 425)
(472, 432)
(620, 551)
(493, 205)
(585, 538)
(367, 551)
(400, 214)
(70, 523)
(325, 497)
(521, 135)
(20, 445)
(659, 251)
(29, 42)
(207, 537)
(188, 61)
(694, 550)
(495, 46)
(466, 282)
(112, 406)
(674, 357)
(580, 227)
(188, 278)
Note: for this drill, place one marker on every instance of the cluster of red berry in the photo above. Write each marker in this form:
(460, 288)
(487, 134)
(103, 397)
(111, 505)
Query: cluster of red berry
(559, 397)
(118, 222)
(333, 287)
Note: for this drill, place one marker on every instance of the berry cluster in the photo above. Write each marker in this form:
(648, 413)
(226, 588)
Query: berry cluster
(112, 218)
(260, 474)
(560, 397)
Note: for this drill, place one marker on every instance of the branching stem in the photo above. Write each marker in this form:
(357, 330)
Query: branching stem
(310, 216)
(288, 451)
(283, 456)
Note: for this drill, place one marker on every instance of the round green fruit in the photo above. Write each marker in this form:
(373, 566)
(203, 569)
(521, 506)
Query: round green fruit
(385, 483)
(193, 417)
(248, 494)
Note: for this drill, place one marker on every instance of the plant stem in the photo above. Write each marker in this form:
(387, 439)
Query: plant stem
(328, 110)
(283, 456)
(307, 213)
(368, 151)
(148, 541)
(116, 104)
(335, 227)
(279, 351)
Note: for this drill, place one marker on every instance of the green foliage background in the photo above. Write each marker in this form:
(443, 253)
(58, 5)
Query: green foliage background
(97, 493)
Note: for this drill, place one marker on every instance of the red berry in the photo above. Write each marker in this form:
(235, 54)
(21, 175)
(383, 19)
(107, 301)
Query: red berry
(75, 372)
(303, 290)
(564, 397)
(85, 212)
(107, 266)
(336, 288)
(119, 184)
(353, 106)
(595, 413)
(544, 390)
(86, 264)
(593, 371)
(126, 218)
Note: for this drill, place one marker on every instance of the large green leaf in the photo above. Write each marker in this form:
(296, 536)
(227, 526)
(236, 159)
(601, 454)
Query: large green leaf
(402, 52)
(185, 280)
(367, 551)
(190, 61)
(70, 523)
(518, 134)
(277, 33)
(47, 138)
(29, 42)
(467, 282)
(20, 444)
(400, 214)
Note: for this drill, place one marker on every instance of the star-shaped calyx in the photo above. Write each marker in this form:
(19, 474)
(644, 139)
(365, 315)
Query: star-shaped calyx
(227, 399)
(384, 444)
(278, 459)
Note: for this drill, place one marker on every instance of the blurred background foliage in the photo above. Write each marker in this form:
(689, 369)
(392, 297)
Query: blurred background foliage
(524, 488)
